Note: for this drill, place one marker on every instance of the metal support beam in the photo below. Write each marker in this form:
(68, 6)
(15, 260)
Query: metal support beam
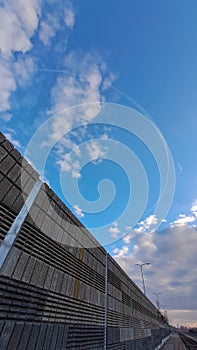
(18, 222)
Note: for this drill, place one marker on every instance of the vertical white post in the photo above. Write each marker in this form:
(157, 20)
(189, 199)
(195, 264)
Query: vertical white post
(143, 280)
(18, 222)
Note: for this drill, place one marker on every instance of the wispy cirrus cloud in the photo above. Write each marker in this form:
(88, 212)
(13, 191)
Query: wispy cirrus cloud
(48, 28)
(23, 68)
(67, 165)
(10, 134)
(8, 85)
(96, 152)
(180, 167)
(78, 211)
(81, 83)
(19, 21)
(22, 24)
(62, 17)
(69, 15)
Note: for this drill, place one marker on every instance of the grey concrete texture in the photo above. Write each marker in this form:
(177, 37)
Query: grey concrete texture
(12, 164)
(21, 335)
(52, 284)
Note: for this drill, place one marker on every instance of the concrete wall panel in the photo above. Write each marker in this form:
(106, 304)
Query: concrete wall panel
(52, 283)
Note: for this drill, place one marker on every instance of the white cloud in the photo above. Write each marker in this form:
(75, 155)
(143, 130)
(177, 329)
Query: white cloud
(78, 211)
(121, 252)
(105, 136)
(127, 228)
(81, 84)
(5, 116)
(141, 239)
(143, 227)
(149, 222)
(46, 32)
(27, 12)
(79, 87)
(8, 84)
(194, 208)
(183, 220)
(13, 37)
(76, 170)
(114, 230)
(62, 18)
(10, 135)
(68, 165)
(48, 29)
(96, 152)
(24, 67)
(60, 125)
(187, 318)
(107, 82)
(132, 234)
(66, 142)
(75, 174)
(76, 165)
(19, 20)
(127, 238)
(65, 163)
(69, 17)
(172, 254)
(12, 73)
(180, 168)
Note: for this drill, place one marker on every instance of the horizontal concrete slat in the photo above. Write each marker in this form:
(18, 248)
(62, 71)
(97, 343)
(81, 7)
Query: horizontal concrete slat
(48, 280)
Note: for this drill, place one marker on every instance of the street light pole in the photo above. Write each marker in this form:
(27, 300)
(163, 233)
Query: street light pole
(143, 282)
(157, 299)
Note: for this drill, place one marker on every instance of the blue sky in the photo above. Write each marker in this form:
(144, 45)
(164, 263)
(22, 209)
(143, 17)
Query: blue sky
(142, 55)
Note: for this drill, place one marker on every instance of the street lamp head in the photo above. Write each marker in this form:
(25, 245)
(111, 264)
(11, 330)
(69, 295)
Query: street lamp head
(157, 293)
(143, 283)
(146, 263)
(157, 299)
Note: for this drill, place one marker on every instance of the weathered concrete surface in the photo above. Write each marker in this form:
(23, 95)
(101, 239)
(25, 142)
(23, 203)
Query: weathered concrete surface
(52, 287)
(173, 343)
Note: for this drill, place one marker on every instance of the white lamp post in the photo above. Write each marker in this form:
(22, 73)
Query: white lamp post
(143, 282)
(157, 299)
